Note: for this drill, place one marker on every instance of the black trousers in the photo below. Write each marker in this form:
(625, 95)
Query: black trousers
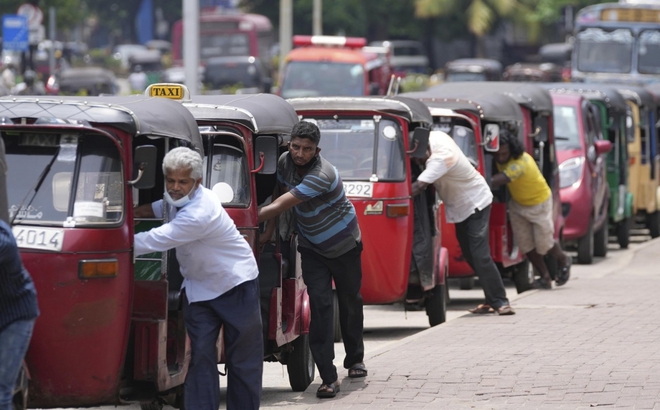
(472, 235)
(238, 311)
(318, 273)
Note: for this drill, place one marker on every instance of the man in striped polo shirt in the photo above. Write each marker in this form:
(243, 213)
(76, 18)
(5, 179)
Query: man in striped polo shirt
(330, 247)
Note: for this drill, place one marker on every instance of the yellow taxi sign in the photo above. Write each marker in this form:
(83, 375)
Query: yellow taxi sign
(172, 91)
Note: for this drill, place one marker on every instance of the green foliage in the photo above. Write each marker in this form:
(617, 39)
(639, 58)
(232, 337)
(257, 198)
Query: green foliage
(68, 12)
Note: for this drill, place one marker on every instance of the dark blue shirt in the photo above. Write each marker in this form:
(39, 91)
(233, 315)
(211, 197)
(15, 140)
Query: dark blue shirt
(18, 297)
(326, 219)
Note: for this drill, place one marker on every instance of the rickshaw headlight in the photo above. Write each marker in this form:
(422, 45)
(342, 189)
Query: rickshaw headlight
(98, 268)
(570, 171)
(397, 210)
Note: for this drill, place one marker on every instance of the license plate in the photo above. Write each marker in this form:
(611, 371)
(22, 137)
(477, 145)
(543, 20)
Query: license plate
(359, 189)
(48, 239)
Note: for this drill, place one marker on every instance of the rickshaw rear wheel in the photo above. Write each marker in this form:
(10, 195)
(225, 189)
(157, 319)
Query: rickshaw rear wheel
(585, 249)
(523, 276)
(436, 305)
(300, 365)
(151, 406)
(653, 224)
(466, 283)
(623, 232)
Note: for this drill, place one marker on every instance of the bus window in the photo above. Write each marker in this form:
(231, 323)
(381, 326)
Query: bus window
(605, 51)
(649, 52)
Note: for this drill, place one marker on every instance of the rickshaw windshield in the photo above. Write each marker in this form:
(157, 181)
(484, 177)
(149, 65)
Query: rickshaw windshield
(462, 134)
(90, 162)
(349, 145)
(228, 171)
(465, 76)
(567, 134)
(649, 52)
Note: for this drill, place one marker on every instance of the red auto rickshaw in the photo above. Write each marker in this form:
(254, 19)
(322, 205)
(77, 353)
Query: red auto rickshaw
(243, 138)
(372, 143)
(474, 124)
(106, 334)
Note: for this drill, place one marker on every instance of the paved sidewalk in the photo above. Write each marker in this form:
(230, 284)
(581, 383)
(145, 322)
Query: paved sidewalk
(594, 342)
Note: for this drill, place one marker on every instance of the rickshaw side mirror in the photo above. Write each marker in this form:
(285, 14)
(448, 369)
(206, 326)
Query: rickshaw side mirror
(541, 129)
(419, 142)
(144, 167)
(602, 147)
(630, 129)
(265, 155)
(492, 138)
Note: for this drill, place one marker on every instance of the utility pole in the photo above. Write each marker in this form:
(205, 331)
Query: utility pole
(191, 44)
(317, 18)
(51, 35)
(286, 30)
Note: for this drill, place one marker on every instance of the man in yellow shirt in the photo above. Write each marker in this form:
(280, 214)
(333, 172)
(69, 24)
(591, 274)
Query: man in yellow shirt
(530, 208)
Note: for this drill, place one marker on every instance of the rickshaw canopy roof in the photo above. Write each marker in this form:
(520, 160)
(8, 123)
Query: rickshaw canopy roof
(600, 92)
(638, 95)
(85, 75)
(137, 115)
(465, 64)
(531, 96)
(410, 109)
(261, 113)
(488, 106)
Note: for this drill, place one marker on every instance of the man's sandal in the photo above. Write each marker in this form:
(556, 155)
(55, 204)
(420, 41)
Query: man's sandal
(328, 391)
(357, 370)
(482, 309)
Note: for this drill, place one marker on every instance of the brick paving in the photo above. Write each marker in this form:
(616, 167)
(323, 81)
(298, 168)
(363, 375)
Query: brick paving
(594, 343)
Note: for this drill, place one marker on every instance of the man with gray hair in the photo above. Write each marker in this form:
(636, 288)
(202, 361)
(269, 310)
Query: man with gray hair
(220, 284)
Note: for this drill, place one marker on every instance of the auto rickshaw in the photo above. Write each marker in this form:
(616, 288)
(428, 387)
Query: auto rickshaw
(643, 163)
(473, 69)
(536, 132)
(615, 117)
(243, 138)
(474, 123)
(533, 72)
(372, 143)
(150, 62)
(111, 329)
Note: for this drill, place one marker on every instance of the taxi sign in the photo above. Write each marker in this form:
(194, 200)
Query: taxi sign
(172, 91)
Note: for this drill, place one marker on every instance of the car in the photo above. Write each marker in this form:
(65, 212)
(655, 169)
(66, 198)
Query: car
(584, 191)
(407, 56)
(244, 75)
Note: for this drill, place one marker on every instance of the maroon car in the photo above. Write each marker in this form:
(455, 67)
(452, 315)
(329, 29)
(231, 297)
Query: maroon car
(582, 173)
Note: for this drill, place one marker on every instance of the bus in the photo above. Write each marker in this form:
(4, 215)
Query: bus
(617, 42)
(228, 34)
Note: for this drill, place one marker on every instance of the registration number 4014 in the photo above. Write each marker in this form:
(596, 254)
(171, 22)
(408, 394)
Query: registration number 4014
(359, 189)
(48, 239)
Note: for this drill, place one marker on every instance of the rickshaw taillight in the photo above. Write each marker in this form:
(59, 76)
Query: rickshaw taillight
(98, 268)
(397, 210)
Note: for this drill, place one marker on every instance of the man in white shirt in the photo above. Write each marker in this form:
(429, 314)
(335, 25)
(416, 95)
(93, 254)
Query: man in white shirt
(467, 199)
(220, 283)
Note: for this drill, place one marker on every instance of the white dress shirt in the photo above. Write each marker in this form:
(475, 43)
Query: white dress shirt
(213, 256)
(460, 186)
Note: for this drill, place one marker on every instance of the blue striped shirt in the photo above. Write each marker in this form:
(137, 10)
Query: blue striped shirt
(326, 219)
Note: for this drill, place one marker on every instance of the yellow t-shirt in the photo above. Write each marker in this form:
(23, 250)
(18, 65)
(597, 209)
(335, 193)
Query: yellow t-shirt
(527, 186)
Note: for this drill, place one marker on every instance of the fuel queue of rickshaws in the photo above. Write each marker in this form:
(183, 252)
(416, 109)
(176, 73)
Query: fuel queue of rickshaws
(117, 320)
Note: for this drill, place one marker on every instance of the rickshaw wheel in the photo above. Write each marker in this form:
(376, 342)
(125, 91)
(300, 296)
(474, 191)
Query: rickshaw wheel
(335, 317)
(653, 224)
(300, 364)
(623, 232)
(436, 305)
(523, 276)
(151, 406)
(466, 283)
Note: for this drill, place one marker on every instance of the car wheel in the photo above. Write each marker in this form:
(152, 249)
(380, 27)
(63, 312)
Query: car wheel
(653, 224)
(300, 364)
(623, 232)
(466, 283)
(585, 249)
(436, 305)
(523, 276)
(601, 239)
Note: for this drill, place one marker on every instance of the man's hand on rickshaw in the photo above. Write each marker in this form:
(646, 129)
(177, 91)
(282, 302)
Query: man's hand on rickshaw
(418, 187)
